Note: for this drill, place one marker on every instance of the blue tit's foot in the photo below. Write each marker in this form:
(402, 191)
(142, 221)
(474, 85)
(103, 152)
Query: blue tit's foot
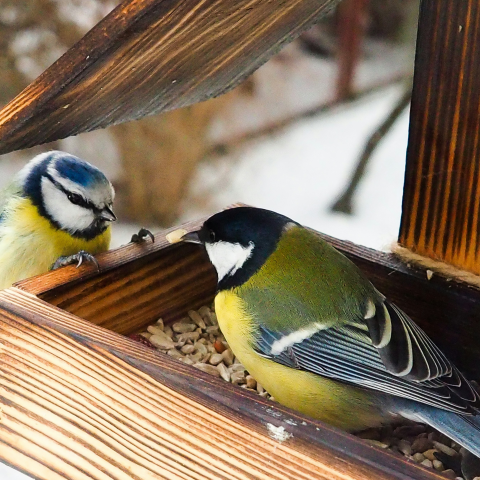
(142, 235)
(78, 258)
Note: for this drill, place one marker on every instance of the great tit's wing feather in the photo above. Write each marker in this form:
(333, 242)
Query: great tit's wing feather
(346, 353)
(403, 347)
(335, 323)
(332, 291)
(411, 354)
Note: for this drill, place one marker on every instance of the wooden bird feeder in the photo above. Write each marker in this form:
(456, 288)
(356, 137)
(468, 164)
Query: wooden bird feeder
(79, 400)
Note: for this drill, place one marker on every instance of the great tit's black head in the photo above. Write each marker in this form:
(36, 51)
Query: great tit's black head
(239, 241)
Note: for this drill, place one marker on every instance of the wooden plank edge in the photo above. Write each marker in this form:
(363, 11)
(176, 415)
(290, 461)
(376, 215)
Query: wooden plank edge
(107, 261)
(334, 450)
(430, 302)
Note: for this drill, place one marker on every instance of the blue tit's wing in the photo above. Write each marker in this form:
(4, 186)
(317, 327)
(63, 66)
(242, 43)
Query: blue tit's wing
(386, 352)
(6, 193)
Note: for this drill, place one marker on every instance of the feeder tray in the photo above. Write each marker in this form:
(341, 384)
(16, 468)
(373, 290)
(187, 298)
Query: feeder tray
(81, 400)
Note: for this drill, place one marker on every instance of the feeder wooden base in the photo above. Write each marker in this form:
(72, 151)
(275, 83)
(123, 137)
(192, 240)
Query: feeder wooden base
(79, 400)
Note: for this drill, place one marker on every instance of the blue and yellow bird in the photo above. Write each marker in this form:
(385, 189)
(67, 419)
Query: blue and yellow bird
(320, 338)
(57, 210)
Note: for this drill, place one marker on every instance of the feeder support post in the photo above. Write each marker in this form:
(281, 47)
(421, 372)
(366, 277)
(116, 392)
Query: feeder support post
(441, 203)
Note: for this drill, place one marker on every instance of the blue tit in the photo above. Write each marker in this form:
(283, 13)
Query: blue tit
(320, 338)
(57, 210)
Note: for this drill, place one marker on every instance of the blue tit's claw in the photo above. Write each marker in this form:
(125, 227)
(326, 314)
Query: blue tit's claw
(142, 235)
(78, 258)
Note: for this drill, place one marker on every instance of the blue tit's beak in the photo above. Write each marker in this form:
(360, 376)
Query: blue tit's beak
(192, 237)
(107, 215)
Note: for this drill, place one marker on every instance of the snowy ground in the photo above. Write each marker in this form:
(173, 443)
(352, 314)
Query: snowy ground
(300, 170)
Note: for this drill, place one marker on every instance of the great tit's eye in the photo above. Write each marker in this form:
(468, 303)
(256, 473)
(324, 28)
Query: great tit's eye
(212, 236)
(75, 198)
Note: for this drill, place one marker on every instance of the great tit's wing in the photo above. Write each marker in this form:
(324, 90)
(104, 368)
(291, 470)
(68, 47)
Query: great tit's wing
(316, 311)
(385, 351)
(404, 348)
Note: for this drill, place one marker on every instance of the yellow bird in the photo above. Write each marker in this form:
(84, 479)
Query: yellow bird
(57, 211)
(320, 338)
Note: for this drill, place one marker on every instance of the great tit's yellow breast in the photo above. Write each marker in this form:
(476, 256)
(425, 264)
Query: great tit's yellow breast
(29, 244)
(335, 403)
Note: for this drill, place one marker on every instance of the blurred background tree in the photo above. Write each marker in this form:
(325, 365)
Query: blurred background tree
(151, 161)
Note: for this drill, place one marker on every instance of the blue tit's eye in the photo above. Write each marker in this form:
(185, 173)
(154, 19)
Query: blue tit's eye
(75, 198)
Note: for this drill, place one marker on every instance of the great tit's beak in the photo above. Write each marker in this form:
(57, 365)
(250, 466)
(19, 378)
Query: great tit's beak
(191, 237)
(107, 214)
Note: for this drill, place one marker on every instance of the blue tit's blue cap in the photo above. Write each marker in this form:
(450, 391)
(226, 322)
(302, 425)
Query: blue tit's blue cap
(79, 171)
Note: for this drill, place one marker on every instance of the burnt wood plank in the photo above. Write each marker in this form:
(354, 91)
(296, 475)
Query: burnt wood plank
(85, 402)
(441, 201)
(140, 283)
(150, 56)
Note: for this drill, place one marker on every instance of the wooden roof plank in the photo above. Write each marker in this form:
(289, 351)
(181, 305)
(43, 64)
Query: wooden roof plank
(150, 56)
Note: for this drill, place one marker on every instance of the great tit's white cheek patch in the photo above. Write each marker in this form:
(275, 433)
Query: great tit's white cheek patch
(66, 214)
(227, 257)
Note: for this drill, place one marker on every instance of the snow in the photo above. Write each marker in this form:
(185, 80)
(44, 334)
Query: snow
(300, 171)
(9, 473)
(293, 82)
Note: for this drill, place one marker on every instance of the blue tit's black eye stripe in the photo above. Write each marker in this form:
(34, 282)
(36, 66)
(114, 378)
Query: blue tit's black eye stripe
(74, 198)
(77, 199)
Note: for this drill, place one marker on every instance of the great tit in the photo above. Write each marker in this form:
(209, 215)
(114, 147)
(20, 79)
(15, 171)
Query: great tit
(307, 324)
(57, 211)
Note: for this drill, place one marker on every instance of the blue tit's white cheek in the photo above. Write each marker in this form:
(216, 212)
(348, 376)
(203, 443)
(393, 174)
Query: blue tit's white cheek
(61, 210)
(227, 257)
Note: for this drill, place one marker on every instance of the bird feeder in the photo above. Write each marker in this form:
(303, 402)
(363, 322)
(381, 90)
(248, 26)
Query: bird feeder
(79, 399)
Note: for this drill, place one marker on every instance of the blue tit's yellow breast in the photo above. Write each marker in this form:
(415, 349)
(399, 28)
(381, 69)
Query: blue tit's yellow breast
(335, 403)
(29, 244)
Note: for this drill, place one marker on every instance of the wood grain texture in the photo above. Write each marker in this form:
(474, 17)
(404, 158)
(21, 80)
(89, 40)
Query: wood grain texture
(140, 283)
(442, 183)
(82, 402)
(150, 56)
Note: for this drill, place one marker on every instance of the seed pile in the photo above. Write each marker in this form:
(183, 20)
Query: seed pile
(197, 340)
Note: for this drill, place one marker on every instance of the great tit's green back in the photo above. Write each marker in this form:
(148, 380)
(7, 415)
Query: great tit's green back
(305, 277)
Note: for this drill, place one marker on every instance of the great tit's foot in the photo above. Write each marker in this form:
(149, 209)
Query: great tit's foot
(450, 462)
(78, 258)
(142, 235)
(470, 465)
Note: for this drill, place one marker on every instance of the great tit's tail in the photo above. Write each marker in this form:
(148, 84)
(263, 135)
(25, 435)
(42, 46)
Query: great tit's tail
(463, 429)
